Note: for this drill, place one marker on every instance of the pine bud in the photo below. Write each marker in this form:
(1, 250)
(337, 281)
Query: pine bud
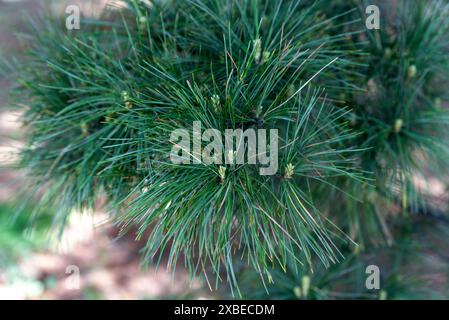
(142, 25)
(257, 50)
(398, 125)
(388, 53)
(84, 129)
(222, 173)
(297, 292)
(412, 71)
(266, 56)
(289, 171)
(215, 102)
(125, 98)
(259, 110)
(305, 281)
(270, 277)
(290, 90)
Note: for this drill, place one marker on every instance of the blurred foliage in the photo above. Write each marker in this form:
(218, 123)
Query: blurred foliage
(20, 234)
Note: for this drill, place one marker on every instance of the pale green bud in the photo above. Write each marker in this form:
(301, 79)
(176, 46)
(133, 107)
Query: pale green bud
(412, 71)
(289, 171)
(398, 125)
(257, 49)
(222, 173)
(305, 281)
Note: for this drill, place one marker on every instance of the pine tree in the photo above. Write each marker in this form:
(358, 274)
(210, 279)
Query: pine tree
(359, 115)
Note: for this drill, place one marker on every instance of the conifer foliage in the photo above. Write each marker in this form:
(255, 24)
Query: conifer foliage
(359, 115)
